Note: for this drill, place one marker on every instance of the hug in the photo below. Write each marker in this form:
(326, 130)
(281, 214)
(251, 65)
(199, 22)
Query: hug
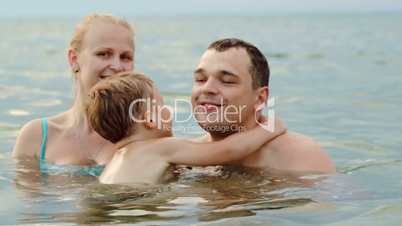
(98, 134)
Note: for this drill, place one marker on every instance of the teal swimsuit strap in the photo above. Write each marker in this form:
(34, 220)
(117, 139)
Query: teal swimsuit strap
(44, 139)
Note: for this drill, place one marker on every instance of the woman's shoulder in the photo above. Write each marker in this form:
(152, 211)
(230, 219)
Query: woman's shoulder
(29, 139)
(31, 128)
(34, 128)
(30, 136)
(57, 122)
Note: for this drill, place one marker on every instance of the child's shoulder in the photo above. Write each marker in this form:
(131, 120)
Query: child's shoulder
(166, 145)
(165, 141)
(148, 146)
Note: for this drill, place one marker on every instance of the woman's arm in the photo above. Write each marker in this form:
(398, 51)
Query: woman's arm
(232, 148)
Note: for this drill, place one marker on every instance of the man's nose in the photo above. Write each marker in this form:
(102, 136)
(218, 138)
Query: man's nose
(210, 86)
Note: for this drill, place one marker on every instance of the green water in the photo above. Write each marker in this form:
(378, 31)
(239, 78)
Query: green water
(336, 78)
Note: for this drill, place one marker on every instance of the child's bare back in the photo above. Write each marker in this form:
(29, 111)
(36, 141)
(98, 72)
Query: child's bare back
(146, 148)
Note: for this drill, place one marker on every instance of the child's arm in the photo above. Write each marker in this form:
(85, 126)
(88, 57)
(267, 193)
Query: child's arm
(232, 148)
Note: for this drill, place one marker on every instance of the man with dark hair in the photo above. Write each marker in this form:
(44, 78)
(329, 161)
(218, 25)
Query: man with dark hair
(230, 84)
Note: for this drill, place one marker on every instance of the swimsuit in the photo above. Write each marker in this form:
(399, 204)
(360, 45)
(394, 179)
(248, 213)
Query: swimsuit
(63, 169)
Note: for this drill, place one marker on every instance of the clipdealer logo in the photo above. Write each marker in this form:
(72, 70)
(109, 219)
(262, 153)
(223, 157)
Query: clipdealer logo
(183, 112)
(270, 115)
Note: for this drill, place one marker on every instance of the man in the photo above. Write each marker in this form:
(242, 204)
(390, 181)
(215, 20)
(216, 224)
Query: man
(230, 83)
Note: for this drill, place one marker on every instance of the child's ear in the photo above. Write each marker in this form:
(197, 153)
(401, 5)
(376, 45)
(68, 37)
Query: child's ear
(149, 123)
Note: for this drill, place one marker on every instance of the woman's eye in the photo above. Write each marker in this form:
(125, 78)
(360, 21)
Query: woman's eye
(127, 57)
(200, 79)
(103, 54)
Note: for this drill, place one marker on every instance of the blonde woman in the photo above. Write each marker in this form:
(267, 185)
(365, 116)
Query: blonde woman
(102, 46)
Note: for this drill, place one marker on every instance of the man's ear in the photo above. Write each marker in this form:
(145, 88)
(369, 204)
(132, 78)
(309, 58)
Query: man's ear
(150, 122)
(262, 94)
(73, 60)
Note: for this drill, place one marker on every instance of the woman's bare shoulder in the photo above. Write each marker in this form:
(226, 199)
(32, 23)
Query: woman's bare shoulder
(30, 136)
(29, 139)
(58, 122)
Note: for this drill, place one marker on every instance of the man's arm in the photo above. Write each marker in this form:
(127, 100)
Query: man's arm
(232, 148)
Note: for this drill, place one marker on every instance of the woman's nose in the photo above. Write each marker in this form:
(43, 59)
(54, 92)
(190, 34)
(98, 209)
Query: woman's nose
(117, 64)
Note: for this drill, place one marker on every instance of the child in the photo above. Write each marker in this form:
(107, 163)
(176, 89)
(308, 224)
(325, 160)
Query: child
(117, 110)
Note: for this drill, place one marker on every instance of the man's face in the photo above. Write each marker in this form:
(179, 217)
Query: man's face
(222, 95)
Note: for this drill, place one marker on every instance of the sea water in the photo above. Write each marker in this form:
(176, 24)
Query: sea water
(334, 77)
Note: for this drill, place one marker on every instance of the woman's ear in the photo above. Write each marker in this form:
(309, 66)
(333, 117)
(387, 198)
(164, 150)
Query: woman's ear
(73, 60)
(149, 122)
(262, 94)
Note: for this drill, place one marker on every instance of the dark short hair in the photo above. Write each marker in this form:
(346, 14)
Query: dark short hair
(259, 68)
(109, 104)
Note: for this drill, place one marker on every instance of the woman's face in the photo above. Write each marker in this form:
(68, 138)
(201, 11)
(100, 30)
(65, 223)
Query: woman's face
(106, 49)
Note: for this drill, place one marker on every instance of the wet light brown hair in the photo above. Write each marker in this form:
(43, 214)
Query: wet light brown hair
(259, 68)
(109, 104)
(83, 27)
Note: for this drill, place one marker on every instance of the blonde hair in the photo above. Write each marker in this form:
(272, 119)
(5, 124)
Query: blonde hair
(82, 28)
(110, 102)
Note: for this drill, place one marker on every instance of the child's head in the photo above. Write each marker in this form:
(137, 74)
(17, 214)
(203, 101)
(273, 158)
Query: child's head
(118, 105)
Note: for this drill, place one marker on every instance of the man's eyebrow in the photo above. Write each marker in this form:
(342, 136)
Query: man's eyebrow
(221, 72)
(224, 72)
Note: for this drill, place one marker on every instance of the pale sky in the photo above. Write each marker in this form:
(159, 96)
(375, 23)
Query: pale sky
(174, 7)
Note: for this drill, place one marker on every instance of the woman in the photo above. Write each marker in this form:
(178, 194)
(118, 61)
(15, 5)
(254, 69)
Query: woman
(102, 46)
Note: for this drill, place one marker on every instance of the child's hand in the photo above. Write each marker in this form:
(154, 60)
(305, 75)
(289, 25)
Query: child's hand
(262, 119)
(279, 126)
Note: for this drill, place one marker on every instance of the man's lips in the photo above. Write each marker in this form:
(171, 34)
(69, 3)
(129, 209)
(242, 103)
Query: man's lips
(210, 106)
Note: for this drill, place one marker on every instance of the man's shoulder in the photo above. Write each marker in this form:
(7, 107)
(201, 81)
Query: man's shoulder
(295, 152)
(292, 141)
